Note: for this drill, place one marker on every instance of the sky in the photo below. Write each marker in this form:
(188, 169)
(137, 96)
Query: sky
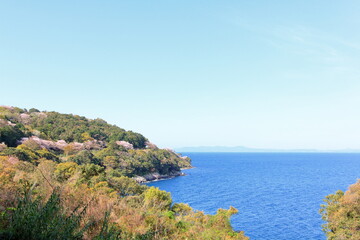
(263, 74)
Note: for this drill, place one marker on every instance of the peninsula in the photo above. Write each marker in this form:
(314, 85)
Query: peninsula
(64, 176)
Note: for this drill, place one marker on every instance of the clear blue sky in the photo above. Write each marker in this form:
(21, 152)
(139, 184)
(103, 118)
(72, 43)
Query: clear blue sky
(268, 74)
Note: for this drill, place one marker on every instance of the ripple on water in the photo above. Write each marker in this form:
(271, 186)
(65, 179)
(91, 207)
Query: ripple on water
(278, 195)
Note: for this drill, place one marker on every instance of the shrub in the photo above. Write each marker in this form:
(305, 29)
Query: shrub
(33, 220)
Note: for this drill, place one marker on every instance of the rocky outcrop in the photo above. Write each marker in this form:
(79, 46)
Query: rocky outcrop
(156, 176)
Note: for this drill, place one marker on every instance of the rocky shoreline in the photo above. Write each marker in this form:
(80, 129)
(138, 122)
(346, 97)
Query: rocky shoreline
(151, 177)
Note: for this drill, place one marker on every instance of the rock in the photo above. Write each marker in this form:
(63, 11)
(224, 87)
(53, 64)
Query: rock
(156, 176)
(140, 179)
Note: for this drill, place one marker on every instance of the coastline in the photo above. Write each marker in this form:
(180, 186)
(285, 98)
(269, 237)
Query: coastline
(152, 177)
(186, 168)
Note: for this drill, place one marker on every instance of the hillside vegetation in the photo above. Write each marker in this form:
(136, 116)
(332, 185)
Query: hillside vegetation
(64, 176)
(342, 214)
(33, 135)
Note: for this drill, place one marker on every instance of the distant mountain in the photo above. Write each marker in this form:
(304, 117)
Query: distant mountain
(246, 149)
(217, 149)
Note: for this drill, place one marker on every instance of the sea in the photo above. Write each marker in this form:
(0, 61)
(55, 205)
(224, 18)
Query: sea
(278, 195)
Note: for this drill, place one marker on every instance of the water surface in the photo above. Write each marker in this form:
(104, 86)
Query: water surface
(278, 195)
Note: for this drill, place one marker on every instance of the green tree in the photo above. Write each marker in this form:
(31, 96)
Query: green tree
(126, 186)
(65, 170)
(32, 110)
(10, 135)
(84, 157)
(155, 198)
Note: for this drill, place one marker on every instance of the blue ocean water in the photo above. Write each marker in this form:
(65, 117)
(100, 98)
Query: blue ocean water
(278, 195)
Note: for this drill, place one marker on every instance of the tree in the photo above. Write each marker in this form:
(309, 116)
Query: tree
(10, 135)
(64, 171)
(32, 110)
(155, 198)
(341, 212)
(126, 186)
(84, 157)
(86, 137)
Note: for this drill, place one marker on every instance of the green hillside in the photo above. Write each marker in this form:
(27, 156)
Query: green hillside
(33, 135)
(63, 176)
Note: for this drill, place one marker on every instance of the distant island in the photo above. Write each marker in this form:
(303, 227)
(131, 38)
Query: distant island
(253, 150)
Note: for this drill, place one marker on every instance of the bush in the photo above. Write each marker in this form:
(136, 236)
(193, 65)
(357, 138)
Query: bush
(19, 153)
(33, 220)
(155, 198)
(342, 213)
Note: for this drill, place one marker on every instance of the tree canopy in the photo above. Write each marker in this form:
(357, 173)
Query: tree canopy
(341, 212)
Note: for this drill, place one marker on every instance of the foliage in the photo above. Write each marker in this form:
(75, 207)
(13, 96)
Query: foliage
(341, 212)
(65, 170)
(33, 220)
(75, 130)
(155, 198)
(132, 211)
(84, 157)
(125, 186)
(68, 127)
(181, 209)
(10, 135)
(71, 186)
(21, 154)
(108, 231)
(31, 110)
(24, 153)
(141, 162)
